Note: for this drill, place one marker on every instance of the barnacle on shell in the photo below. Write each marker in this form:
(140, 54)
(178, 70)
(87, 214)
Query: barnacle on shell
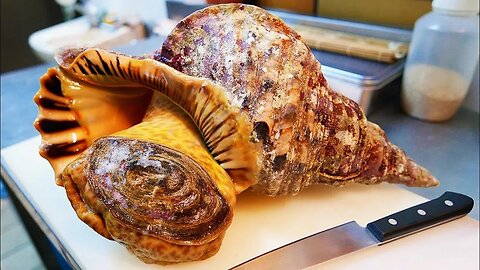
(153, 150)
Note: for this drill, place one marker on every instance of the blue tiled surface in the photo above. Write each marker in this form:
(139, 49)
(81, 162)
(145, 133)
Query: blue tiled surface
(18, 111)
(16, 244)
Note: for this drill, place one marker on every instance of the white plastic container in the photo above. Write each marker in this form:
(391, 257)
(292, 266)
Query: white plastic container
(149, 11)
(442, 59)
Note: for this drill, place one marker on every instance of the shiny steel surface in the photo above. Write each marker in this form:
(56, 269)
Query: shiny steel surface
(314, 249)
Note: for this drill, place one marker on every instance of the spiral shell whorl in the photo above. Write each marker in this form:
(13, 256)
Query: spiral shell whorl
(157, 190)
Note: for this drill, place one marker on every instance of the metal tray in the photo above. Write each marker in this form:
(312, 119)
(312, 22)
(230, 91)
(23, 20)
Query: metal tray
(370, 75)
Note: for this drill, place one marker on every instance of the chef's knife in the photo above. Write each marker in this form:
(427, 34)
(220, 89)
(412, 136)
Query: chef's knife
(350, 237)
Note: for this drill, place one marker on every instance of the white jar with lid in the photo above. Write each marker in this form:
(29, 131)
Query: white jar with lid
(441, 61)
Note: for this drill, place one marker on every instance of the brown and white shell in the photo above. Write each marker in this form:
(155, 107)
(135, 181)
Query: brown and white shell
(153, 151)
(308, 133)
(141, 173)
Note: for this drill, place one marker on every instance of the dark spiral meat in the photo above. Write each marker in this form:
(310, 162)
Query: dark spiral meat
(156, 190)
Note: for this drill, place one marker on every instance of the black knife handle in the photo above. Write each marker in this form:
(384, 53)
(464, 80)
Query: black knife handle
(449, 206)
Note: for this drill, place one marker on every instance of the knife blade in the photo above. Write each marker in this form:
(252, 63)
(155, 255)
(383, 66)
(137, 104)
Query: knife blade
(350, 237)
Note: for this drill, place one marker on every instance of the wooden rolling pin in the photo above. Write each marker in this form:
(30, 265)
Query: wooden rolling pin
(381, 50)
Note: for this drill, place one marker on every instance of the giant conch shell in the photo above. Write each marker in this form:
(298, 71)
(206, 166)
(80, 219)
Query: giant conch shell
(153, 150)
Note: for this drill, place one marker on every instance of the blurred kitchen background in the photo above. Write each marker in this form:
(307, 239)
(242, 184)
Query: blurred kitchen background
(116, 23)
(32, 30)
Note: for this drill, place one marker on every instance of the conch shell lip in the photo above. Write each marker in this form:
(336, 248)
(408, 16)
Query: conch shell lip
(225, 131)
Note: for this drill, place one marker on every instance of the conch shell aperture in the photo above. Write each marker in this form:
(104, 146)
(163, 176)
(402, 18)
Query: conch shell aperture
(153, 151)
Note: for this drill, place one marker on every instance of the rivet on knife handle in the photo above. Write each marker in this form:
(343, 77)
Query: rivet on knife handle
(449, 206)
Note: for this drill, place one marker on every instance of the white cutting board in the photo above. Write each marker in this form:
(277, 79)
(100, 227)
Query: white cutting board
(260, 224)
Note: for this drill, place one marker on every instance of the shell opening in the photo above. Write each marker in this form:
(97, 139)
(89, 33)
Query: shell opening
(225, 131)
(151, 198)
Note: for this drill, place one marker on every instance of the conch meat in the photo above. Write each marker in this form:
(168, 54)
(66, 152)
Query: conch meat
(153, 150)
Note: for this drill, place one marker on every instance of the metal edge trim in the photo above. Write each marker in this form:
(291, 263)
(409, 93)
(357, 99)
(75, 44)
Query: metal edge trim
(342, 75)
(368, 83)
(398, 33)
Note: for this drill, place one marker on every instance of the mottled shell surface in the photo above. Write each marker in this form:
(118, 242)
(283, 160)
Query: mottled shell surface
(154, 187)
(308, 133)
(152, 151)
